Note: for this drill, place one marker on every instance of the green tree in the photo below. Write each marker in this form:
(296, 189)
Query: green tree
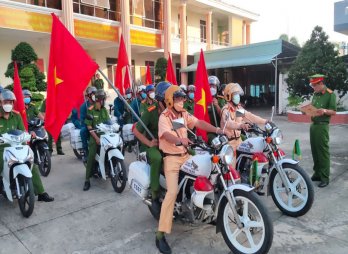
(292, 40)
(284, 37)
(160, 69)
(30, 75)
(318, 55)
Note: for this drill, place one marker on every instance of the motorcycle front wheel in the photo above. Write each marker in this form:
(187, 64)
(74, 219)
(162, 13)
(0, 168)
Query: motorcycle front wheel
(299, 198)
(118, 175)
(45, 165)
(256, 234)
(27, 199)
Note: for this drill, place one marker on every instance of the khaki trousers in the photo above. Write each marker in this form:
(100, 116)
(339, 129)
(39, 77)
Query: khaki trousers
(235, 143)
(172, 166)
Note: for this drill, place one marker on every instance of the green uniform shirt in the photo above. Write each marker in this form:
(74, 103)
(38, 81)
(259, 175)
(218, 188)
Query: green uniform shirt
(43, 106)
(145, 106)
(325, 100)
(31, 111)
(99, 116)
(150, 119)
(189, 106)
(99, 83)
(14, 122)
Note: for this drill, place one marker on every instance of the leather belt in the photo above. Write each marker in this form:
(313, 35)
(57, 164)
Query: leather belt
(175, 154)
(235, 138)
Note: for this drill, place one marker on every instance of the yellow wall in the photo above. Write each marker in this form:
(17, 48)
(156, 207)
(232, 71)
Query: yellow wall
(237, 31)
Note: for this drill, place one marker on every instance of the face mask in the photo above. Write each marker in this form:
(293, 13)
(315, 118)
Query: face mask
(7, 107)
(93, 97)
(213, 91)
(236, 99)
(27, 100)
(191, 96)
(152, 95)
(129, 96)
(179, 106)
(143, 95)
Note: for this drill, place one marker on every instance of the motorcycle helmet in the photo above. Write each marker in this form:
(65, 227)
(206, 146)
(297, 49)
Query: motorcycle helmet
(232, 88)
(141, 88)
(161, 88)
(191, 88)
(90, 90)
(26, 92)
(100, 95)
(183, 87)
(171, 93)
(7, 95)
(149, 88)
(213, 80)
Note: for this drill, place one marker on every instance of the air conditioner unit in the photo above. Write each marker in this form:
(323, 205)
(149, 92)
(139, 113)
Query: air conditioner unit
(98, 3)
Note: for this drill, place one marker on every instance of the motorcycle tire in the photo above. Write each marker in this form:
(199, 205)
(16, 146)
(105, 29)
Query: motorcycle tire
(77, 154)
(306, 187)
(45, 165)
(27, 199)
(119, 178)
(256, 217)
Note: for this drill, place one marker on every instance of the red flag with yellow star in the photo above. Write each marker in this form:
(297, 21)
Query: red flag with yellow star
(19, 103)
(69, 71)
(203, 96)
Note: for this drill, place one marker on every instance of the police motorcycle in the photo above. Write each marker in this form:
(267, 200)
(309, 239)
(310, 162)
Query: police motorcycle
(16, 178)
(263, 164)
(39, 145)
(109, 159)
(209, 193)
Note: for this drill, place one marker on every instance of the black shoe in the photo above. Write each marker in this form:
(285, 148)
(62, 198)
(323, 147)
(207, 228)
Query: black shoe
(60, 153)
(315, 178)
(323, 184)
(156, 207)
(44, 197)
(86, 186)
(163, 246)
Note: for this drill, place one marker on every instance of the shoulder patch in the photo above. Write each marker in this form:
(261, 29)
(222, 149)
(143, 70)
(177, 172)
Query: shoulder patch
(151, 108)
(329, 90)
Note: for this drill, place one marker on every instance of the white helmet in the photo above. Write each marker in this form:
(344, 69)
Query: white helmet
(183, 87)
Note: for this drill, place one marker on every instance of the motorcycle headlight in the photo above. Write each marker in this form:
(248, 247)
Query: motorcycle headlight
(226, 154)
(277, 137)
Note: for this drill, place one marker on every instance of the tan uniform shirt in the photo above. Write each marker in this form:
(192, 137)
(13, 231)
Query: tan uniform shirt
(165, 125)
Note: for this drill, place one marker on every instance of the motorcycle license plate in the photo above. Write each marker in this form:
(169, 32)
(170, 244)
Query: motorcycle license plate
(138, 189)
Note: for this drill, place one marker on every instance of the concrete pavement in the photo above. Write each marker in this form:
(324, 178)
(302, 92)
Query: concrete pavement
(102, 221)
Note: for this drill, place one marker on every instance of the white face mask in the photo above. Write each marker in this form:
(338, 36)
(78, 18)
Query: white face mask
(7, 107)
(213, 91)
(152, 95)
(236, 99)
(93, 97)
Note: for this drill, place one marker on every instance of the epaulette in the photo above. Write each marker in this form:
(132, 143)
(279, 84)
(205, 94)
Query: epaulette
(15, 111)
(329, 90)
(151, 108)
(91, 107)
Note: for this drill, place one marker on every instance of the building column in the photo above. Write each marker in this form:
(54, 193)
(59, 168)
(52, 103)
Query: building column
(125, 28)
(183, 41)
(208, 30)
(230, 30)
(68, 15)
(243, 33)
(167, 20)
(247, 33)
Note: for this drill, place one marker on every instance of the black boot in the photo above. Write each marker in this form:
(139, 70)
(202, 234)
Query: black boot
(60, 152)
(86, 186)
(44, 197)
(163, 246)
(156, 207)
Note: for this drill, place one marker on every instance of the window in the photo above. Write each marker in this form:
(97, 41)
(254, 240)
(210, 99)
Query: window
(106, 9)
(147, 13)
(54, 4)
(111, 66)
(202, 26)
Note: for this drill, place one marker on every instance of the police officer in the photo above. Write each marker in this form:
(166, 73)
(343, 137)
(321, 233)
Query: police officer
(135, 104)
(11, 120)
(90, 100)
(190, 102)
(30, 109)
(99, 114)
(98, 82)
(121, 112)
(50, 139)
(150, 119)
(150, 101)
(174, 156)
(325, 102)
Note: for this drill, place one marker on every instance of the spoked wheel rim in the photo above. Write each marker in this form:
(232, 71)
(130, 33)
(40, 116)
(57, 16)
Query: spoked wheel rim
(297, 197)
(250, 238)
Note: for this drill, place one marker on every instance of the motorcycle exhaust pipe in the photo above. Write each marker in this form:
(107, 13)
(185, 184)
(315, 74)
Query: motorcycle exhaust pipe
(147, 202)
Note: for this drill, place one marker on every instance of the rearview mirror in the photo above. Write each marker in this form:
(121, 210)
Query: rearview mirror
(240, 112)
(178, 123)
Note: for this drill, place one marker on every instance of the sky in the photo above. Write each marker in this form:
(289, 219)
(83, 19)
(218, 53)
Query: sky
(293, 17)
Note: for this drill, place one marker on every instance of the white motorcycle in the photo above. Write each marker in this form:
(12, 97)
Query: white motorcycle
(208, 193)
(16, 175)
(109, 159)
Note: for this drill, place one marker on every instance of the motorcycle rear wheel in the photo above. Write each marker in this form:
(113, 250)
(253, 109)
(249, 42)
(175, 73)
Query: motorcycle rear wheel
(27, 199)
(256, 235)
(45, 165)
(119, 175)
(290, 203)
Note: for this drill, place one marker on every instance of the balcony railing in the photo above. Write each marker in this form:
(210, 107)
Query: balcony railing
(199, 40)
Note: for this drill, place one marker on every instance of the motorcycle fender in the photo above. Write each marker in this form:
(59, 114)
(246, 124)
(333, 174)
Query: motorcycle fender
(243, 187)
(290, 161)
(21, 169)
(115, 153)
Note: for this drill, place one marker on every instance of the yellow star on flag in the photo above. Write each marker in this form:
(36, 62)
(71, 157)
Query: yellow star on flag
(202, 101)
(57, 80)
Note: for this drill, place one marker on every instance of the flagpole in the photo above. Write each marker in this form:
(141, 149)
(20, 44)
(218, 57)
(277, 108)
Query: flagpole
(133, 86)
(127, 105)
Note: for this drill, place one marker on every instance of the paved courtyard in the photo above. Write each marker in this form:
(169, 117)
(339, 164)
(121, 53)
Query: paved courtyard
(102, 221)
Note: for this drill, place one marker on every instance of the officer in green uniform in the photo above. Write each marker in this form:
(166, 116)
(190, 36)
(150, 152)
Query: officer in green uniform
(100, 115)
(150, 101)
(30, 109)
(190, 103)
(50, 139)
(98, 82)
(325, 102)
(150, 119)
(11, 120)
